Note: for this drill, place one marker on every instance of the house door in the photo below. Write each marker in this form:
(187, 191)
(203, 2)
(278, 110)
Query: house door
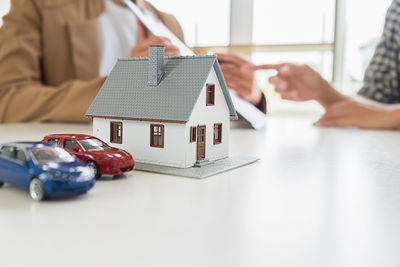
(201, 142)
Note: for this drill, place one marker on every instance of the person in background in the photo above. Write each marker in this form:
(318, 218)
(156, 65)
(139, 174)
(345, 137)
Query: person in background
(378, 104)
(55, 55)
(241, 81)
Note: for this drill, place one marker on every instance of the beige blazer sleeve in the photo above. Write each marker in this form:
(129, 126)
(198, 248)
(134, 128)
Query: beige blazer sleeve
(23, 96)
(37, 80)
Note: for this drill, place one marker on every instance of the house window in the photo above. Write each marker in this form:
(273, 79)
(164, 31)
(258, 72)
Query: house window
(156, 135)
(217, 133)
(210, 94)
(116, 132)
(193, 131)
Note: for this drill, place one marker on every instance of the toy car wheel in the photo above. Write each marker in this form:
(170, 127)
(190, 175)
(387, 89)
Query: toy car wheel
(1, 184)
(95, 169)
(36, 190)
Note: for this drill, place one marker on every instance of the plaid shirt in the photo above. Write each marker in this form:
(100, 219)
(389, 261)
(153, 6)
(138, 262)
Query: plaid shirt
(382, 77)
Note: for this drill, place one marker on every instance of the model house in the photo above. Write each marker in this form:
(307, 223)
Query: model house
(170, 111)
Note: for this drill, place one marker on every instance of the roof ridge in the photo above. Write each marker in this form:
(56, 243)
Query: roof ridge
(168, 57)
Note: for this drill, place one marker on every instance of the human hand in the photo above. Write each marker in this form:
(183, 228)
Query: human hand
(350, 112)
(242, 82)
(141, 49)
(300, 83)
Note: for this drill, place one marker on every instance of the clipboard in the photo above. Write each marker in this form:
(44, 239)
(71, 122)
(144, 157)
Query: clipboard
(247, 111)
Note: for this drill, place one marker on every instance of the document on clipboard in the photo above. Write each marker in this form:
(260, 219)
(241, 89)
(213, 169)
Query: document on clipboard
(255, 117)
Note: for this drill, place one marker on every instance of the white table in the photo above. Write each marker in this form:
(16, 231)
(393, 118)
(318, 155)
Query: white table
(318, 197)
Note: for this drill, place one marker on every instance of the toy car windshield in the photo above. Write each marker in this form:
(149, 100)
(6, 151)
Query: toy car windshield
(45, 155)
(93, 144)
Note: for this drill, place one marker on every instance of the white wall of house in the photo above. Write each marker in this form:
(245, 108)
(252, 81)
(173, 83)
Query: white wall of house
(136, 140)
(208, 115)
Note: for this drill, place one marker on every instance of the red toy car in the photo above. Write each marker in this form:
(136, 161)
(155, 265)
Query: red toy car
(97, 154)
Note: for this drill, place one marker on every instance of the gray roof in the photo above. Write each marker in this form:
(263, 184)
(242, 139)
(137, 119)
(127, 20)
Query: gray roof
(126, 93)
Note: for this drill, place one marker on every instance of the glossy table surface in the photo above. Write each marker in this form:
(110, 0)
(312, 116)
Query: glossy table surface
(318, 197)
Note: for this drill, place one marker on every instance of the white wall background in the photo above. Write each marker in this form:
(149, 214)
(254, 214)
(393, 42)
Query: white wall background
(204, 22)
(4, 7)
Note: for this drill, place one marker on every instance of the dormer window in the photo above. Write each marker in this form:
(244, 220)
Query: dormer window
(210, 94)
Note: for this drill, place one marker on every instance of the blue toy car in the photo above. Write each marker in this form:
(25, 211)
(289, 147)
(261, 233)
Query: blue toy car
(44, 169)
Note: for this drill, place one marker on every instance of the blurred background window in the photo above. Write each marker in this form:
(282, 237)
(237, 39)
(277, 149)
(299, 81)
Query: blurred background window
(205, 23)
(295, 31)
(363, 28)
(4, 7)
(293, 22)
(335, 37)
(289, 31)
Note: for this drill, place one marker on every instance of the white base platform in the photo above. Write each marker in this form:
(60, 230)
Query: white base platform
(216, 167)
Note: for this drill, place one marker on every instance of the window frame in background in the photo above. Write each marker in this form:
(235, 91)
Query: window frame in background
(241, 38)
(240, 41)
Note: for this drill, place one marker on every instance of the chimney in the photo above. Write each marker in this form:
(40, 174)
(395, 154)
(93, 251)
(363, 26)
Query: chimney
(156, 65)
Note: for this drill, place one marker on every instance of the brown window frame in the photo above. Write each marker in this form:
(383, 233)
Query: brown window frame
(210, 94)
(218, 128)
(118, 124)
(161, 133)
(193, 134)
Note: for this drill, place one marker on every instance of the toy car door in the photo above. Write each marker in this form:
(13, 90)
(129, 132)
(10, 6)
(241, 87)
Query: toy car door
(72, 147)
(5, 155)
(21, 169)
(17, 173)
